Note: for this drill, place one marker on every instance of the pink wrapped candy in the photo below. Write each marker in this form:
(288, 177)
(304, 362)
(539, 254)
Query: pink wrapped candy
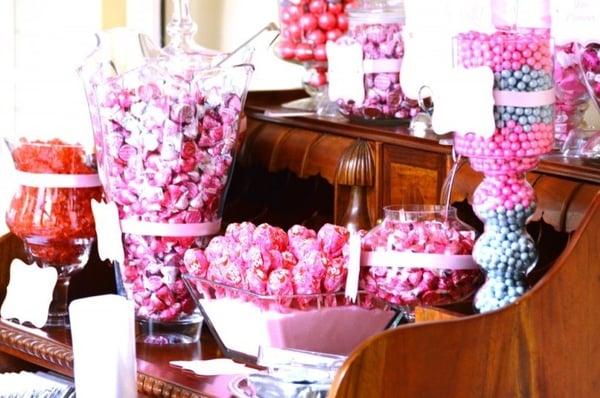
(269, 265)
(427, 232)
(333, 238)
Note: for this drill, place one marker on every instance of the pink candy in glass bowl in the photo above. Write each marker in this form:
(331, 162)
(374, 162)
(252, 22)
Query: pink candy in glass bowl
(283, 289)
(420, 255)
(166, 133)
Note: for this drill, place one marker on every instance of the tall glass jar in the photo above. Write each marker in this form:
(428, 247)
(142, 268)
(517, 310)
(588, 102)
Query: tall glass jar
(420, 255)
(377, 26)
(522, 62)
(166, 137)
(306, 26)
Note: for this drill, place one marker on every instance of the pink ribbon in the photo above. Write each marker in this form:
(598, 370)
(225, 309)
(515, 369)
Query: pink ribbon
(144, 228)
(529, 99)
(417, 260)
(382, 65)
(42, 180)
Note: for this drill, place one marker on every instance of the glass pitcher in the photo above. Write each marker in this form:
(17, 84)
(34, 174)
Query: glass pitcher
(166, 130)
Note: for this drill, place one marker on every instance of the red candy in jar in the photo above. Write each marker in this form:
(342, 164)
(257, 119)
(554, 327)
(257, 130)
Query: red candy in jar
(307, 24)
(56, 224)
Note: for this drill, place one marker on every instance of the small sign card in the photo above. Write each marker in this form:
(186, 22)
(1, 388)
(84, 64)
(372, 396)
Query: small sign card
(108, 231)
(29, 293)
(345, 71)
(464, 102)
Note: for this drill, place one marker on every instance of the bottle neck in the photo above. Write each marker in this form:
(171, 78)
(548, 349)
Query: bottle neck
(181, 28)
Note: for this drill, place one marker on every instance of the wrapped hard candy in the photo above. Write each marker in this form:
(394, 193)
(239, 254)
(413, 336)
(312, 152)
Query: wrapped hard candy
(425, 231)
(269, 237)
(332, 239)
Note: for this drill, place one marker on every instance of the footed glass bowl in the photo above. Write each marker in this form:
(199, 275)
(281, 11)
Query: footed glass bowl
(242, 321)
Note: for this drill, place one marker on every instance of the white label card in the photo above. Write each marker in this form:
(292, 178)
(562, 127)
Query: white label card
(575, 21)
(352, 278)
(427, 56)
(29, 293)
(346, 71)
(464, 102)
(108, 231)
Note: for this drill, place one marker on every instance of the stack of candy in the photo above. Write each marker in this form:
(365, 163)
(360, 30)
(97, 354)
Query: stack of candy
(412, 286)
(522, 63)
(571, 91)
(167, 146)
(266, 260)
(590, 61)
(383, 49)
(306, 25)
(505, 249)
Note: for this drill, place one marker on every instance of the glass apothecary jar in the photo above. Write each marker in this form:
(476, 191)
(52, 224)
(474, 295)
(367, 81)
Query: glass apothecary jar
(376, 25)
(420, 255)
(51, 210)
(306, 26)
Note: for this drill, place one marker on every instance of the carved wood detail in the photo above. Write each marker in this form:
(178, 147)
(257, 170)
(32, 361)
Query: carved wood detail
(356, 166)
(159, 388)
(49, 351)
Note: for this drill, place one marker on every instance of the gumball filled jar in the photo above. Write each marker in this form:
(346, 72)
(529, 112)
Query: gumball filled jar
(524, 96)
(376, 25)
(306, 27)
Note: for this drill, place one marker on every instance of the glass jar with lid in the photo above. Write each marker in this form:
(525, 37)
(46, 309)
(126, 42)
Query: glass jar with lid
(376, 25)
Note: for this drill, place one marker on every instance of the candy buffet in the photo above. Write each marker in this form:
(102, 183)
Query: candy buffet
(314, 236)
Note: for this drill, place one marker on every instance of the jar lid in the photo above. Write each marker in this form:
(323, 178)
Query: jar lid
(378, 11)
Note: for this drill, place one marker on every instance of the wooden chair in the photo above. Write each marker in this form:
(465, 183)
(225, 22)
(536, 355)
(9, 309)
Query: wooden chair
(547, 344)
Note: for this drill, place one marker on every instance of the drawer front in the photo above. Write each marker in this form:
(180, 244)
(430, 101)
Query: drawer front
(412, 176)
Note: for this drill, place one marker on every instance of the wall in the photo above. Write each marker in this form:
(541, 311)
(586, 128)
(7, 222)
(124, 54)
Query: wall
(225, 24)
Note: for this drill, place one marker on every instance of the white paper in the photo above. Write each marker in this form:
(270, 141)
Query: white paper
(345, 71)
(103, 335)
(108, 231)
(352, 277)
(213, 367)
(29, 293)
(575, 21)
(427, 56)
(464, 102)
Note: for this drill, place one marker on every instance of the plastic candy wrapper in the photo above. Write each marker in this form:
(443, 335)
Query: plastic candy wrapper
(269, 294)
(417, 256)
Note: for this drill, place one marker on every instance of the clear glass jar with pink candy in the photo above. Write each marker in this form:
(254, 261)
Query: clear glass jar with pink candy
(377, 26)
(572, 96)
(166, 126)
(522, 62)
(420, 255)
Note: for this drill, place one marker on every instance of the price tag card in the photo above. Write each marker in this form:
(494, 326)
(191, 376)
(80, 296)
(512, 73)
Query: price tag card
(345, 71)
(108, 231)
(29, 293)
(464, 102)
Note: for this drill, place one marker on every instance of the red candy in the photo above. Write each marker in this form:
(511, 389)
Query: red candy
(58, 217)
(307, 24)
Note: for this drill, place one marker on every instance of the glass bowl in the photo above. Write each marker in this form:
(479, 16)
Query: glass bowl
(242, 321)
